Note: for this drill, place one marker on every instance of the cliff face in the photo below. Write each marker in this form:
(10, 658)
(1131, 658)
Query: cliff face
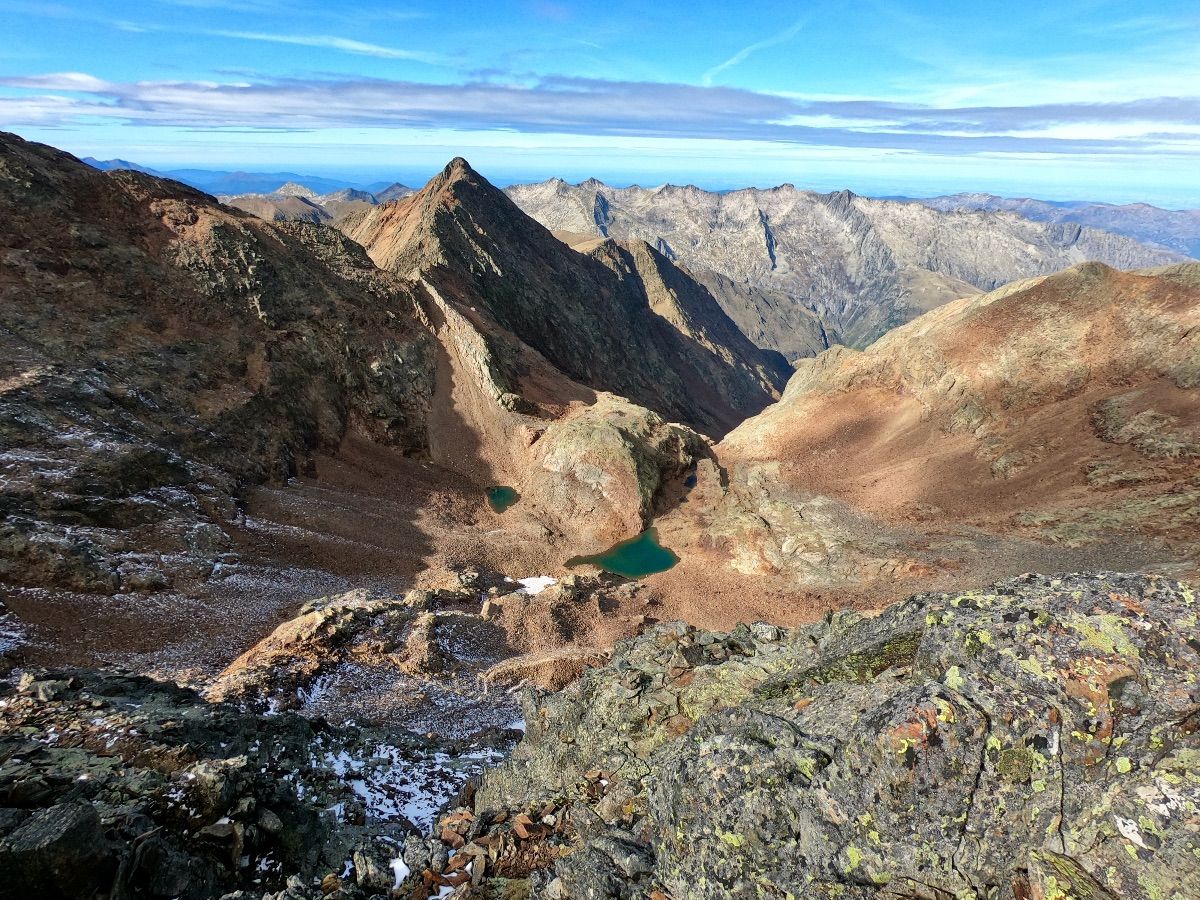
(863, 266)
(590, 316)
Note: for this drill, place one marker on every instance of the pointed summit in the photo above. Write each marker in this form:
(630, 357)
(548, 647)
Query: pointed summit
(458, 169)
(592, 320)
(393, 191)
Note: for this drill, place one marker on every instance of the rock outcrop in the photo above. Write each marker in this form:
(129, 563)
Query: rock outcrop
(862, 265)
(119, 786)
(279, 671)
(1038, 738)
(598, 474)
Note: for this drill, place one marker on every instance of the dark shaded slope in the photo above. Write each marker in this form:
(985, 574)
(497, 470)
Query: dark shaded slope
(477, 248)
(158, 350)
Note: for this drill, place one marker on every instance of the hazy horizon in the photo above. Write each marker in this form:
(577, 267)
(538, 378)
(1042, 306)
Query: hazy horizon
(362, 179)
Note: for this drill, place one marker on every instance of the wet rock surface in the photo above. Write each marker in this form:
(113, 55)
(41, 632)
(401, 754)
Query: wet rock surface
(1039, 738)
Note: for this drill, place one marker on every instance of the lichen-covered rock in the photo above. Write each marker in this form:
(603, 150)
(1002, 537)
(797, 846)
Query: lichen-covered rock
(1037, 739)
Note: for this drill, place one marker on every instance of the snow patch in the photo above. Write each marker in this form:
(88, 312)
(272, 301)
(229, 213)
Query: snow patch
(535, 584)
(401, 870)
(12, 635)
(394, 784)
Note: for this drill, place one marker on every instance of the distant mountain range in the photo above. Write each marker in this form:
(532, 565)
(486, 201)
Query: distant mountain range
(296, 202)
(214, 181)
(1175, 229)
(862, 266)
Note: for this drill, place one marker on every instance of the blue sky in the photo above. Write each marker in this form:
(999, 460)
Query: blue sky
(1087, 99)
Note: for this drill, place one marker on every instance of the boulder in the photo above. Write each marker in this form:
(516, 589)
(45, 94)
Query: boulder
(59, 851)
(598, 473)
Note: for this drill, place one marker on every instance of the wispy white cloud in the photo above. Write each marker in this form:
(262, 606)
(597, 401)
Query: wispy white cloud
(330, 42)
(608, 108)
(79, 82)
(746, 52)
(241, 6)
(318, 41)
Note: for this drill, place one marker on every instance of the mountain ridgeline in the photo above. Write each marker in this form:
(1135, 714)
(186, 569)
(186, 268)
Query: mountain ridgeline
(620, 318)
(860, 266)
(1173, 229)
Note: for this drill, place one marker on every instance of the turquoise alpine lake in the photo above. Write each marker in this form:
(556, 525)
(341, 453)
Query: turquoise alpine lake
(633, 558)
(501, 498)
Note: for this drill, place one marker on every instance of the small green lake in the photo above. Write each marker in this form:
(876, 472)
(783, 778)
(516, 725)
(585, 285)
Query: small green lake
(501, 498)
(638, 556)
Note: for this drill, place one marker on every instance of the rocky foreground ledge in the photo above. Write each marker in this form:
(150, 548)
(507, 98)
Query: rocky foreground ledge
(1037, 740)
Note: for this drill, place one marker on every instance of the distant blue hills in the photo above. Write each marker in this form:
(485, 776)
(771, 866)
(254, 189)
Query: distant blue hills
(213, 181)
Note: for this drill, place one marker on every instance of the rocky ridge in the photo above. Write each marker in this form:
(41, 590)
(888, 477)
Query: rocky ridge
(469, 242)
(862, 265)
(1038, 738)
(130, 437)
(160, 352)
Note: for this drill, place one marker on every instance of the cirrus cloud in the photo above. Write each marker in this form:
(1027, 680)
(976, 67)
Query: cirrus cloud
(601, 107)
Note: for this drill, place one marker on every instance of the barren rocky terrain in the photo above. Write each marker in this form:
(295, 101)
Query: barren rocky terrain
(1175, 229)
(266, 635)
(862, 266)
